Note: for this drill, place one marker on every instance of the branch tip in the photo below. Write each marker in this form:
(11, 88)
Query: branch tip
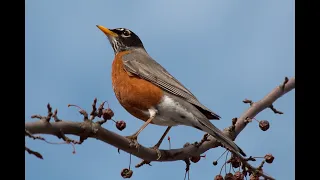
(81, 111)
(49, 112)
(27, 133)
(36, 116)
(286, 79)
(99, 113)
(143, 162)
(275, 110)
(248, 101)
(55, 116)
(38, 155)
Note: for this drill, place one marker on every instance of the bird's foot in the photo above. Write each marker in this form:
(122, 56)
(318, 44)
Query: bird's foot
(133, 141)
(156, 147)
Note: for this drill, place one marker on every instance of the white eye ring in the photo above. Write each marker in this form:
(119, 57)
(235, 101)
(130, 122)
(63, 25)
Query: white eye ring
(126, 33)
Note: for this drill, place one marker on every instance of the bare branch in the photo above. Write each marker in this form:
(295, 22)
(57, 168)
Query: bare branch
(27, 133)
(38, 155)
(49, 113)
(264, 103)
(94, 130)
(143, 162)
(275, 110)
(248, 101)
(55, 116)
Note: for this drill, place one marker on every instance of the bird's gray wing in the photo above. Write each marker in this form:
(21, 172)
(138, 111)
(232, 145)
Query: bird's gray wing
(142, 65)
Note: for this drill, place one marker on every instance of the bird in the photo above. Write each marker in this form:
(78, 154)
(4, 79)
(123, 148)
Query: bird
(150, 93)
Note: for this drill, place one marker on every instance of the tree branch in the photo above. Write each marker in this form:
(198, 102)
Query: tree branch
(264, 103)
(95, 130)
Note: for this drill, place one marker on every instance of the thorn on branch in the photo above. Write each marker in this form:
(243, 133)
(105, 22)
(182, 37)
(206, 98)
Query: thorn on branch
(46, 118)
(275, 110)
(248, 101)
(282, 86)
(143, 162)
(99, 112)
(49, 113)
(55, 116)
(94, 108)
(38, 155)
(187, 161)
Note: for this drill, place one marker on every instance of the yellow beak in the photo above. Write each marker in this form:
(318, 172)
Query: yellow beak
(106, 31)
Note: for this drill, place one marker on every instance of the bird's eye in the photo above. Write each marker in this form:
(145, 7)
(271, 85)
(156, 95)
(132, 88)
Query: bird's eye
(126, 33)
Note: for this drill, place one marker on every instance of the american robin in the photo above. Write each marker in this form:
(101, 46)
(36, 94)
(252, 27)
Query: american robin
(150, 93)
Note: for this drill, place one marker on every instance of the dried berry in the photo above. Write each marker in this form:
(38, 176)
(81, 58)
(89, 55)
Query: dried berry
(235, 162)
(254, 177)
(229, 176)
(121, 125)
(215, 163)
(264, 125)
(195, 159)
(107, 114)
(126, 173)
(269, 158)
(238, 176)
(218, 177)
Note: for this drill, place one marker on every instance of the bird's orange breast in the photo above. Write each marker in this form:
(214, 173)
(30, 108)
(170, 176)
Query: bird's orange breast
(134, 94)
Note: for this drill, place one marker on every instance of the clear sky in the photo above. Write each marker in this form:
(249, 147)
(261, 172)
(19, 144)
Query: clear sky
(223, 51)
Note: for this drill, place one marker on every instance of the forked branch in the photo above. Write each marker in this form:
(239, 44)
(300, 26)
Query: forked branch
(94, 130)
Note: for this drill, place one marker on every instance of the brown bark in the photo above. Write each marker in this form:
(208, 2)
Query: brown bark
(94, 130)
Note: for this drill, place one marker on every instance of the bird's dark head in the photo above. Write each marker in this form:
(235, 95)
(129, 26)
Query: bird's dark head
(121, 39)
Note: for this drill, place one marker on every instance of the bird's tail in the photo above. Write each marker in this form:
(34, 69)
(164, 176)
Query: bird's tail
(226, 141)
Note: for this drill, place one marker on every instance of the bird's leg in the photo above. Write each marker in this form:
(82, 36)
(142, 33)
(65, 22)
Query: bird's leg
(133, 138)
(156, 147)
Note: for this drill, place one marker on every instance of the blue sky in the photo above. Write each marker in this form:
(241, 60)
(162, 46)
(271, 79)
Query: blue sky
(239, 49)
